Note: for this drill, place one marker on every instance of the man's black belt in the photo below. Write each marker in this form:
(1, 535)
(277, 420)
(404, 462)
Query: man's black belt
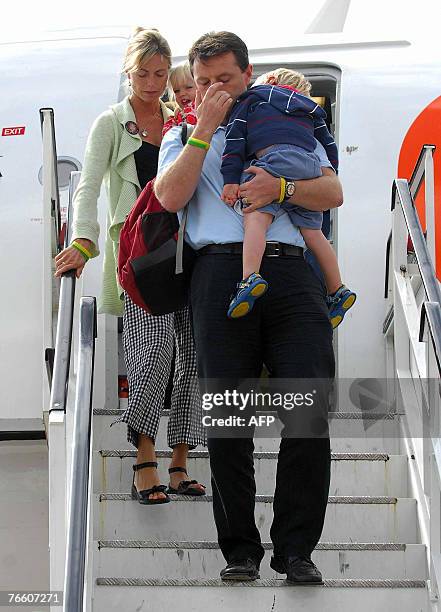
(272, 249)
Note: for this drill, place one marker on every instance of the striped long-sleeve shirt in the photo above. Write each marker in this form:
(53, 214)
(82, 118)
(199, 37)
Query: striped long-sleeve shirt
(272, 114)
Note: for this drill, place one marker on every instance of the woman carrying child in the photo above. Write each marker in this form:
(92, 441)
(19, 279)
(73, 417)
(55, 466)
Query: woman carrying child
(122, 149)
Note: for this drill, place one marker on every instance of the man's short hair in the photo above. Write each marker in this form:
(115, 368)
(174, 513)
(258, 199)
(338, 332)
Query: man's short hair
(216, 43)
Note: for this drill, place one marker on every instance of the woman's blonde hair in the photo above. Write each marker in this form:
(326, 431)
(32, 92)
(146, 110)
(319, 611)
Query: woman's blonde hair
(285, 76)
(178, 74)
(143, 45)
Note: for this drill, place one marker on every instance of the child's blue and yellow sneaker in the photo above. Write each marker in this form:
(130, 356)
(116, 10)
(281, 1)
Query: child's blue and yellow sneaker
(339, 303)
(248, 290)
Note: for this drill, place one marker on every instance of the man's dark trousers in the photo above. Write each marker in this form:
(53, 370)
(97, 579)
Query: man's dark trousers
(288, 330)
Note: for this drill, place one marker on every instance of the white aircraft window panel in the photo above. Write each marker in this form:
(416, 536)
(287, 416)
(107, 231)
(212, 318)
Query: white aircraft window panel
(66, 165)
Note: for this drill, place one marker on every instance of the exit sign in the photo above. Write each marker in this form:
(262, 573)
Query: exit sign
(13, 131)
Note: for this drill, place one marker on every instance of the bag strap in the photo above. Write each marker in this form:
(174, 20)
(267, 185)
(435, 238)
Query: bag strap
(186, 131)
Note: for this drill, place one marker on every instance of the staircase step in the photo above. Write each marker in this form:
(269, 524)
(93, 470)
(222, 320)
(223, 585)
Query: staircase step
(259, 596)
(350, 432)
(351, 473)
(376, 519)
(130, 559)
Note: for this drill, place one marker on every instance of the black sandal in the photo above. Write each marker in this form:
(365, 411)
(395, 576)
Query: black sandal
(143, 497)
(184, 487)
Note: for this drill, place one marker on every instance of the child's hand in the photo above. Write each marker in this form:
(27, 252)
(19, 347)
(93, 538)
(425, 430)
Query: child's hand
(230, 193)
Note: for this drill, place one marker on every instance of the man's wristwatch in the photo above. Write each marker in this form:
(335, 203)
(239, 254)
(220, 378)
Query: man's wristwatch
(290, 189)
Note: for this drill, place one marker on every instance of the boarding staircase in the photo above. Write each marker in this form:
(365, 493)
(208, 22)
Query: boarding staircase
(380, 546)
(153, 557)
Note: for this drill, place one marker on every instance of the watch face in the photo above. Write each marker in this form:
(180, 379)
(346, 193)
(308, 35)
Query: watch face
(290, 189)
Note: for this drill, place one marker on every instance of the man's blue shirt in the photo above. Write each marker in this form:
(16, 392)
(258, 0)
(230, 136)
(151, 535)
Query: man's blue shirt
(210, 220)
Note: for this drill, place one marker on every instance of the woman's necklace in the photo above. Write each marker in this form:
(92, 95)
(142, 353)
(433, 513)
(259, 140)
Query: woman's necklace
(134, 128)
(143, 130)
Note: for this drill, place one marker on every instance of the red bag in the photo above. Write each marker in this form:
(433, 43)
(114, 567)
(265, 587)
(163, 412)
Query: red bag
(154, 262)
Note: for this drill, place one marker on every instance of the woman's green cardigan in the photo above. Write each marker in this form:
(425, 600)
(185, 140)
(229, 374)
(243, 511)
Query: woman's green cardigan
(109, 158)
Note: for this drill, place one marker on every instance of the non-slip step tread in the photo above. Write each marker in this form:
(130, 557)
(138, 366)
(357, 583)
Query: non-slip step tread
(270, 582)
(161, 454)
(211, 545)
(369, 416)
(332, 499)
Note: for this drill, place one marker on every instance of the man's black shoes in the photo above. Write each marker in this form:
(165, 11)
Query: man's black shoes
(240, 569)
(299, 570)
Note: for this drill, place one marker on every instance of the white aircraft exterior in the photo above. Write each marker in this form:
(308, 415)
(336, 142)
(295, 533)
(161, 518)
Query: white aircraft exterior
(385, 100)
(378, 89)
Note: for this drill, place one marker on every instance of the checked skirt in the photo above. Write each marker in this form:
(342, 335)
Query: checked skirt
(149, 343)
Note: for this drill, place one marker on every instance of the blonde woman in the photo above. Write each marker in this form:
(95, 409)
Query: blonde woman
(122, 150)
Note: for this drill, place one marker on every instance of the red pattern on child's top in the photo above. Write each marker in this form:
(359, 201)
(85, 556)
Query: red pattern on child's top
(188, 114)
(286, 87)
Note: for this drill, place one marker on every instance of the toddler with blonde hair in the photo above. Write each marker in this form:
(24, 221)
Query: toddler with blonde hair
(276, 124)
(182, 90)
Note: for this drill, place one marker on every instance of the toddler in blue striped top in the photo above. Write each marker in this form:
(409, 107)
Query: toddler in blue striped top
(276, 124)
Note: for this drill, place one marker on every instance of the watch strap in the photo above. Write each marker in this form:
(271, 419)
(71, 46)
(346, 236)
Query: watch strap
(282, 190)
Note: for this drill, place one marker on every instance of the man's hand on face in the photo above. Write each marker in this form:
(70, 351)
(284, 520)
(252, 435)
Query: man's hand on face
(212, 108)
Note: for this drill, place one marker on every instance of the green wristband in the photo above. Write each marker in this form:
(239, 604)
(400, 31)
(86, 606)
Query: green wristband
(84, 252)
(201, 144)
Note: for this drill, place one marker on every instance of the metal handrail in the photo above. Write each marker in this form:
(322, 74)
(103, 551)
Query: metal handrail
(431, 312)
(79, 482)
(51, 219)
(401, 191)
(416, 180)
(63, 342)
(48, 113)
(414, 185)
(386, 275)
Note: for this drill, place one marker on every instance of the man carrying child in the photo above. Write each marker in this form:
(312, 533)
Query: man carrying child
(288, 329)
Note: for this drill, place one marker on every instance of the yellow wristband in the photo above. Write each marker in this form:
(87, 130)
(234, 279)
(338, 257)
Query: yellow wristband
(198, 143)
(85, 252)
(282, 190)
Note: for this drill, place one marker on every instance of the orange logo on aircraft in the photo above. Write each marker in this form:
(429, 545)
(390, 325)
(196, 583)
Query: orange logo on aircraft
(426, 129)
